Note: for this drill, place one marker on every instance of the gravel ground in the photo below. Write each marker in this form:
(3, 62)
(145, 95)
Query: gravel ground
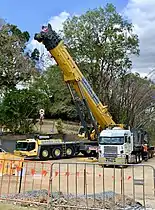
(59, 199)
(97, 202)
(39, 196)
(9, 206)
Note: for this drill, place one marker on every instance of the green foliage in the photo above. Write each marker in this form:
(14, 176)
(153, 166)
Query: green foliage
(101, 41)
(132, 101)
(151, 130)
(23, 36)
(15, 67)
(20, 108)
(51, 83)
(35, 55)
(59, 126)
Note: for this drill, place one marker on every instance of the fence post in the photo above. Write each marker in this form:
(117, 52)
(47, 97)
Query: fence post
(21, 175)
(84, 181)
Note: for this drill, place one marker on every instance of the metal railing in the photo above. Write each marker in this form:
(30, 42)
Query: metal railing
(90, 186)
(77, 185)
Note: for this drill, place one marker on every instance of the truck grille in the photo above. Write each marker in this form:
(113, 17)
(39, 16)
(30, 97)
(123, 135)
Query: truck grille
(110, 151)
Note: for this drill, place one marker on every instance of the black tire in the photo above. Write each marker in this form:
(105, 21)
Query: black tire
(150, 154)
(57, 153)
(77, 151)
(88, 153)
(44, 154)
(127, 160)
(137, 158)
(125, 165)
(140, 158)
(70, 152)
(146, 158)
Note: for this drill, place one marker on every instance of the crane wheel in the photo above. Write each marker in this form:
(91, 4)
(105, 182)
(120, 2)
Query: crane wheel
(70, 152)
(77, 153)
(57, 152)
(44, 154)
(88, 153)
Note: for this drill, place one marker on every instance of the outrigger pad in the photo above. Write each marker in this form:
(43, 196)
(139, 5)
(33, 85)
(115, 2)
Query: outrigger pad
(48, 37)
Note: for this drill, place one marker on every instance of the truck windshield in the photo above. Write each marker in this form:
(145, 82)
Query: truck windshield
(111, 140)
(25, 146)
(22, 146)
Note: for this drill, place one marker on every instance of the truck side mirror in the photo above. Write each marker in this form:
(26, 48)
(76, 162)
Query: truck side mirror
(125, 139)
(129, 140)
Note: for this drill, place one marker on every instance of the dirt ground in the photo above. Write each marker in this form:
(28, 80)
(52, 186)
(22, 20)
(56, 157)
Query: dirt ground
(49, 126)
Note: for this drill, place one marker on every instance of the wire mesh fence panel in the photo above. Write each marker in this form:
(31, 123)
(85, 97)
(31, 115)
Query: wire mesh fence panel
(90, 186)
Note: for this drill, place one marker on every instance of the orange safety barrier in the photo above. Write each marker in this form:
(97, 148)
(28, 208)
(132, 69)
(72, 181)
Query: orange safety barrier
(19, 176)
(9, 163)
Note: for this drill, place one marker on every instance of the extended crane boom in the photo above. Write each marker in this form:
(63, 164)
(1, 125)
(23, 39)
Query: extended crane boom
(72, 75)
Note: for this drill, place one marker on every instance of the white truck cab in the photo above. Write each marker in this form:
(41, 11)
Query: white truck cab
(115, 146)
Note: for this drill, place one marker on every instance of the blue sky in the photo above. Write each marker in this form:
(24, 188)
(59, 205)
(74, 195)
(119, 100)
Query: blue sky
(31, 14)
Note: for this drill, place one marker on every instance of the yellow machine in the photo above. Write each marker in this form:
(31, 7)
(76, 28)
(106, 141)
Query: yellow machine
(37, 148)
(113, 145)
(74, 78)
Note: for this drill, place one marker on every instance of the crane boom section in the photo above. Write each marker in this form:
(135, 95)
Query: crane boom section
(73, 75)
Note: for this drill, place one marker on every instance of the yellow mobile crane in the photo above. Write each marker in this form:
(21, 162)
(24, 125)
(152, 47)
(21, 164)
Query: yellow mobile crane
(115, 144)
(74, 78)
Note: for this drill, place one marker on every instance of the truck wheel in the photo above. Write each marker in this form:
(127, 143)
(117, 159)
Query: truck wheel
(87, 153)
(140, 158)
(150, 155)
(44, 154)
(146, 157)
(70, 151)
(127, 160)
(77, 152)
(125, 165)
(137, 158)
(57, 152)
